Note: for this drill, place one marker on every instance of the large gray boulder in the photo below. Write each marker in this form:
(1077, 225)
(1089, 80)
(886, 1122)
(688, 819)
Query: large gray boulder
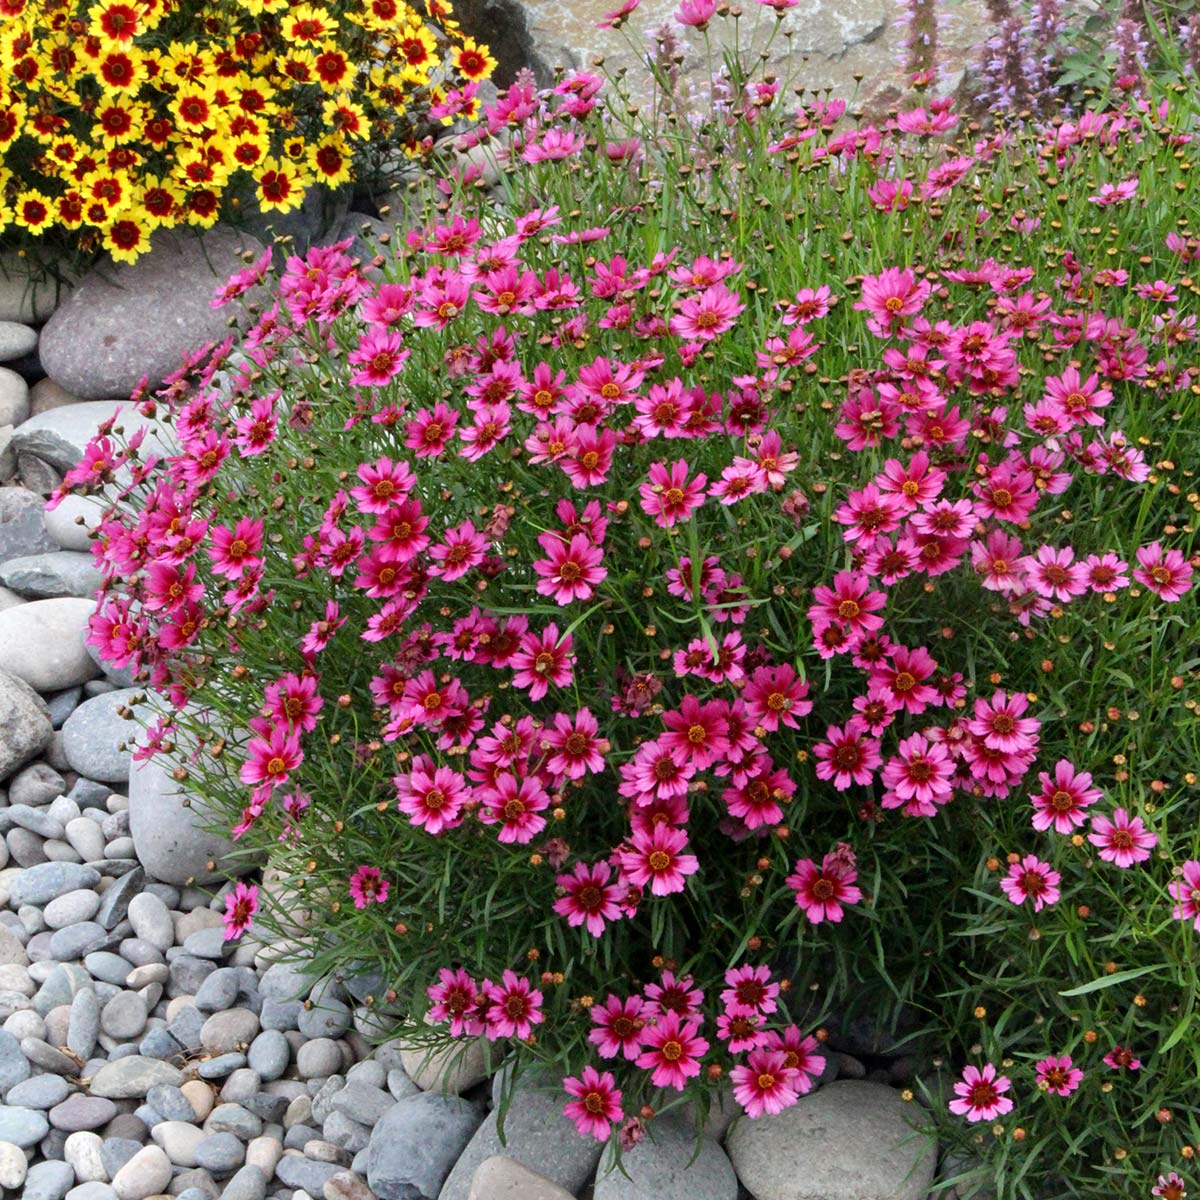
(59, 436)
(852, 1140)
(168, 827)
(94, 733)
(43, 643)
(22, 524)
(25, 726)
(413, 1148)
(667, 1165)
(139, 319)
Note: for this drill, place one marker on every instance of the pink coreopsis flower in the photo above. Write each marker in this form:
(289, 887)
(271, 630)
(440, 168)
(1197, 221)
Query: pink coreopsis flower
(293, 699)
(1106, 572)
(367, 885)
(848, 755)
(597, 1102)
(256, 432)
(1063, 801)
(1002, 725)
(571, 570)
(670, 496)
(696, 13)
(776, 696)
(696, 732)
(1165, 572)
(429, 430)
(656, 857)
(233, 551)
(821, 891)
(750, 991)
(575, 749)
(590, 899)
(1123, 840)
(1031, 879)
(673, 1051)
(679, 996)
(703, 318)
(1121, 1058)
(1058, 1076)
(765, 1084)
(1186, 894)
(379, 357)
(462, 551)
(240, 906)
(270, 758)
(514, 1007)
(516, 806)
(919, 776)
(799, 1052)
(384, 483)
(456, 998)
(850, 602)
(1052, 572)
(1078, 398)
(431, 796)
(1169, 1187)
(618, 1027)
(891, 296)
(1115, 193)
(980, 1094)
(541, 660)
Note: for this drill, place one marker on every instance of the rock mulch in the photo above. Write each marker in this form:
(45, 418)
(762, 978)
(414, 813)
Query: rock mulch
(143, 1055)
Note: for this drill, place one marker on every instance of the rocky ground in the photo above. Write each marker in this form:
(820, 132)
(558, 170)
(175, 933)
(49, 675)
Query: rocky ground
(142, 1054)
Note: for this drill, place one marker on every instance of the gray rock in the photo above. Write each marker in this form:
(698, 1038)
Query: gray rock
(94, 733)
(414, 1147)
(83, 1027)
(221, 1153)
(22, 523)
(87, 839)
(151, 920)
(179, 1140)
(99, 340)
(666, 1166)
(124, 1016)
(71, 908)
(269, 1054)
(42, 643)
(851, 1140)
(114, 904)
(219, 991)
(318, 1059)
(28, 295)
(285, 981)
(171, 841)
(41, 1092)
(208, 943)
(43, 883)
(147, 1173)
(48, 1057)
(13, 1166)
(295, 1171)
(328, 1018)
(14, 398)
(61, 986)
(48, 1181)
(170, 1103)
(92, 1190)
(363, 1103)
(25, 725)
(225, 1032)
(281, 1014)
(75, 941)
(116, 1152)
(16, 340)
(241, 1122)
(80, 1112)
(248, 1184)
(344, 1131)
(36, 785)
(23, 1127)
(536, 1133)
(61, 522)
(221, 1066)
(133, 1076)
(62, 705)
(55, 573)
(186, 1027)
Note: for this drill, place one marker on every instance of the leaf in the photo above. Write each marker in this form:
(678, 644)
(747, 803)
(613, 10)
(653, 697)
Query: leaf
(1107, 981)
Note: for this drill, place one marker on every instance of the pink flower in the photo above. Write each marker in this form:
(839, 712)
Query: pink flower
(1001, 725)
(618, 1027)
(1053, 573)
(240, 906)
(368, 885)
(1121, 1058)
(514, 1007)
(1031, 879)
(1111, 193)
(673, 1050)
(918, 777)
(1106, 572)
(696, 13)
(696, 732)
(981, 1094)
(1186, 893)
(670, 496)
(462, 551)
(431, 796)
(571, 569)
(703, 318)
(821, 891)
(379, 357)
(269, 759)
(679, 996)
(1058, 1075)
(776, 696)
(234, 550)
(1077, 398)
(457, 999)
(850, 602)
(656, 858)
(891, 296)
(799, 1052)
(847, 755)
(514, 804)
(597, 1102)
(590, 899)
(1063, 802)
(1123, 840)
(766, 1084)
(750, 991)
(1170, 1186)
(1165, 572)
(384, 483)
(542, 660)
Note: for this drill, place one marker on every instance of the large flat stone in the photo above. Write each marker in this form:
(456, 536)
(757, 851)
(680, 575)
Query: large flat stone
(43, 643)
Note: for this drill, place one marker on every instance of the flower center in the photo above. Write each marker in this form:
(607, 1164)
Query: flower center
(696, 734)
(593, 1102)
(823, 889)
(1002, 497)
(904, 682)
(766, 1082)
(434, 799)
(982, 1095)
(276, 766)
(659, 860)
(1002, 723)
(1122, 839)
(1062, 802)
(848, 610)
(513, 810)
(673, 496)
(672, 1051)
(590, 896)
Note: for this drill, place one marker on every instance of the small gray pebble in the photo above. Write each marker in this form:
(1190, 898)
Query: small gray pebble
(42, 1092)
(219, 1067)
(221, 1153)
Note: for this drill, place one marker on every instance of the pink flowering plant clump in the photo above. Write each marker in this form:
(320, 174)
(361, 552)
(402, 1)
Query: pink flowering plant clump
(732, 581)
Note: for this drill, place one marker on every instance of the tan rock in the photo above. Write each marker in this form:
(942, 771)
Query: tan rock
(500, 1178)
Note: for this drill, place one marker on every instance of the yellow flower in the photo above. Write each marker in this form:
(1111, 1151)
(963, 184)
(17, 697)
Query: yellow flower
(473, 60)
(249, 149)
(280, 185)
(308, 25)
(127, 237)
(160, 200)
(12, 122)
(333, 69)
(120, 70)
(347, 118)
(330, 161)
(32, 210)
(109, 188)
(194, 109)
(115, 21)
(118, 121)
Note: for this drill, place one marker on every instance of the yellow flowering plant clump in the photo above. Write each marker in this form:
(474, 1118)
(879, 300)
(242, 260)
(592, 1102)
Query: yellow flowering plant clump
(119, 117)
